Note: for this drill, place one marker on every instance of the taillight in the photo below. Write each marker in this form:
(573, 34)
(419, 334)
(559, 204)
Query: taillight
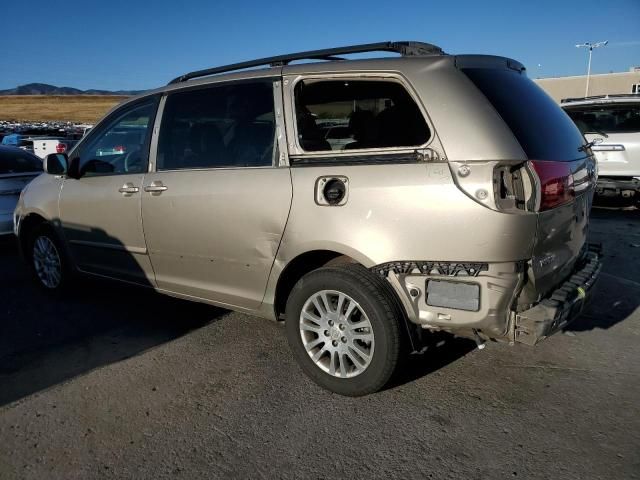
(119, 148)
(555, 181)
(61, 148)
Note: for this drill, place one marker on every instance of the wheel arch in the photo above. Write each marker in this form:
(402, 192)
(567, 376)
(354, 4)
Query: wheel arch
(311, 260)
(299, 266)
(27, 225)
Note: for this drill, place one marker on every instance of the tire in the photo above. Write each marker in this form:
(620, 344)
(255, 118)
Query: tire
(354, 355)
(48, 262)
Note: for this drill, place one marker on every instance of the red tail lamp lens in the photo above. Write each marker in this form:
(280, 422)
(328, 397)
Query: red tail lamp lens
(556, 183)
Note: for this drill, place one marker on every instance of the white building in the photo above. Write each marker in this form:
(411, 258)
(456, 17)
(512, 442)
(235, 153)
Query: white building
(601, 84)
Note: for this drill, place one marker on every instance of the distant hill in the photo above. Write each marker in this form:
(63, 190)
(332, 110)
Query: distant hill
(46, 89)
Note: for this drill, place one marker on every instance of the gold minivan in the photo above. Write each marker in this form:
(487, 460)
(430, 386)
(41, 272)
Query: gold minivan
(363, 202)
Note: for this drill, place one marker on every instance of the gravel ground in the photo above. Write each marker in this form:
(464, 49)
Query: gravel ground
(123, 383)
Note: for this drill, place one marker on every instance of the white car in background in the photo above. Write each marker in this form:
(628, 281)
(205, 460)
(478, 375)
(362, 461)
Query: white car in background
(615, 119)
(43, 146)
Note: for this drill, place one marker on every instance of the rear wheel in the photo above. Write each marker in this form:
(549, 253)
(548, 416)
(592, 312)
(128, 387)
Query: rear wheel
(343, 327)
(47, 261)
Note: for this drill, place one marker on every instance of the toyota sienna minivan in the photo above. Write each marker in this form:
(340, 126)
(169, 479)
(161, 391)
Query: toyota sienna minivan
(457, 199)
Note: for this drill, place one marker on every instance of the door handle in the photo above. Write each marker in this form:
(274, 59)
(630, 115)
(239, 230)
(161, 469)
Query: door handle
(155, 187)
(128, 189)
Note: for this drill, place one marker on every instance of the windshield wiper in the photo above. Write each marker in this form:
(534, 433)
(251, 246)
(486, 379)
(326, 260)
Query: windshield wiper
(599, 132)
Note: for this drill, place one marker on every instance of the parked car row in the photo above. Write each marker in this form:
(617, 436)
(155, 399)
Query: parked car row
(51, 128)
(42, 138)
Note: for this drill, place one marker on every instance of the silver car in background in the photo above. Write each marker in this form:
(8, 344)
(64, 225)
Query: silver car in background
(614, 121)
(459, 201)
(17, 168)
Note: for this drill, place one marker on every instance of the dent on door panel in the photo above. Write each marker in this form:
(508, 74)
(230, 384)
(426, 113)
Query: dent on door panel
(214, 234)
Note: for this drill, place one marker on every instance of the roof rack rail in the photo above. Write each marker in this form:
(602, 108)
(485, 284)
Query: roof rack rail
(599, 97)
(404, 48)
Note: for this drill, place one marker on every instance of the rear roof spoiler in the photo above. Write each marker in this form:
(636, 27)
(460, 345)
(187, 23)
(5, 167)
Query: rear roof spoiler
(488, 61)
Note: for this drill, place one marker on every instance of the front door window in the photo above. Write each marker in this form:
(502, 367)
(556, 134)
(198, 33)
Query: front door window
(121, 148)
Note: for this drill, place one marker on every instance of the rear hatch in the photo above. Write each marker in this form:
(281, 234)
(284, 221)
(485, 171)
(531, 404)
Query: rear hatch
(560, 172)
(619, 153)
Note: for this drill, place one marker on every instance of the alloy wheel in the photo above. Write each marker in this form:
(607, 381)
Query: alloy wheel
(46, 261)
(336, 333)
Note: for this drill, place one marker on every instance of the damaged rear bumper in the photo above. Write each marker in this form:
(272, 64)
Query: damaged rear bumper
(563, 305)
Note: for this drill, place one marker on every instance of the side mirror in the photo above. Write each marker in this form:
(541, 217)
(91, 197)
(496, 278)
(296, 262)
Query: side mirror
(56, 163)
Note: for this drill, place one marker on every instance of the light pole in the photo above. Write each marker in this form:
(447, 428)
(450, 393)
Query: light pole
(590, 46)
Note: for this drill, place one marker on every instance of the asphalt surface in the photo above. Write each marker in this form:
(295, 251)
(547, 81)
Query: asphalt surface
(119, 382)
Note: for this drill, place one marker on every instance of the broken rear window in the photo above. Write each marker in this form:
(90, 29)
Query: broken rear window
(336, 115)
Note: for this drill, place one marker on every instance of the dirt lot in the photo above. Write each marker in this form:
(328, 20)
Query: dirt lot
(124, 383)
(74, 108)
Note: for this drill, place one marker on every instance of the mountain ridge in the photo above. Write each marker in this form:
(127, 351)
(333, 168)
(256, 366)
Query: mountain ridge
(47, 89)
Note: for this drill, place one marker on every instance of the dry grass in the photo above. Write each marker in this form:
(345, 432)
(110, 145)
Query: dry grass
(73, 108)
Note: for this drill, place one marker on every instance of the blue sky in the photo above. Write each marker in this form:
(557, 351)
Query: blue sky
(137, 45)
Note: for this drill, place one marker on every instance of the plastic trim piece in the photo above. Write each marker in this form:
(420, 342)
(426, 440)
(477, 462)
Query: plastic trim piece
(451, 269)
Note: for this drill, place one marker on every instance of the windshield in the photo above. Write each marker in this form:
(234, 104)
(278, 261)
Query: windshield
(606, 118)
(18, 161)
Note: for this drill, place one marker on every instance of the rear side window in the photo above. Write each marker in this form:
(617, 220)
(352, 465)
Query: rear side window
(357, 114)
(219, 126)
(541, 127)
(606, 118)
(14, 160)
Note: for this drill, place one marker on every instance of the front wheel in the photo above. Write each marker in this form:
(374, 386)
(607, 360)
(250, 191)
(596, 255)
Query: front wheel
(47, 261)
(342, 325)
